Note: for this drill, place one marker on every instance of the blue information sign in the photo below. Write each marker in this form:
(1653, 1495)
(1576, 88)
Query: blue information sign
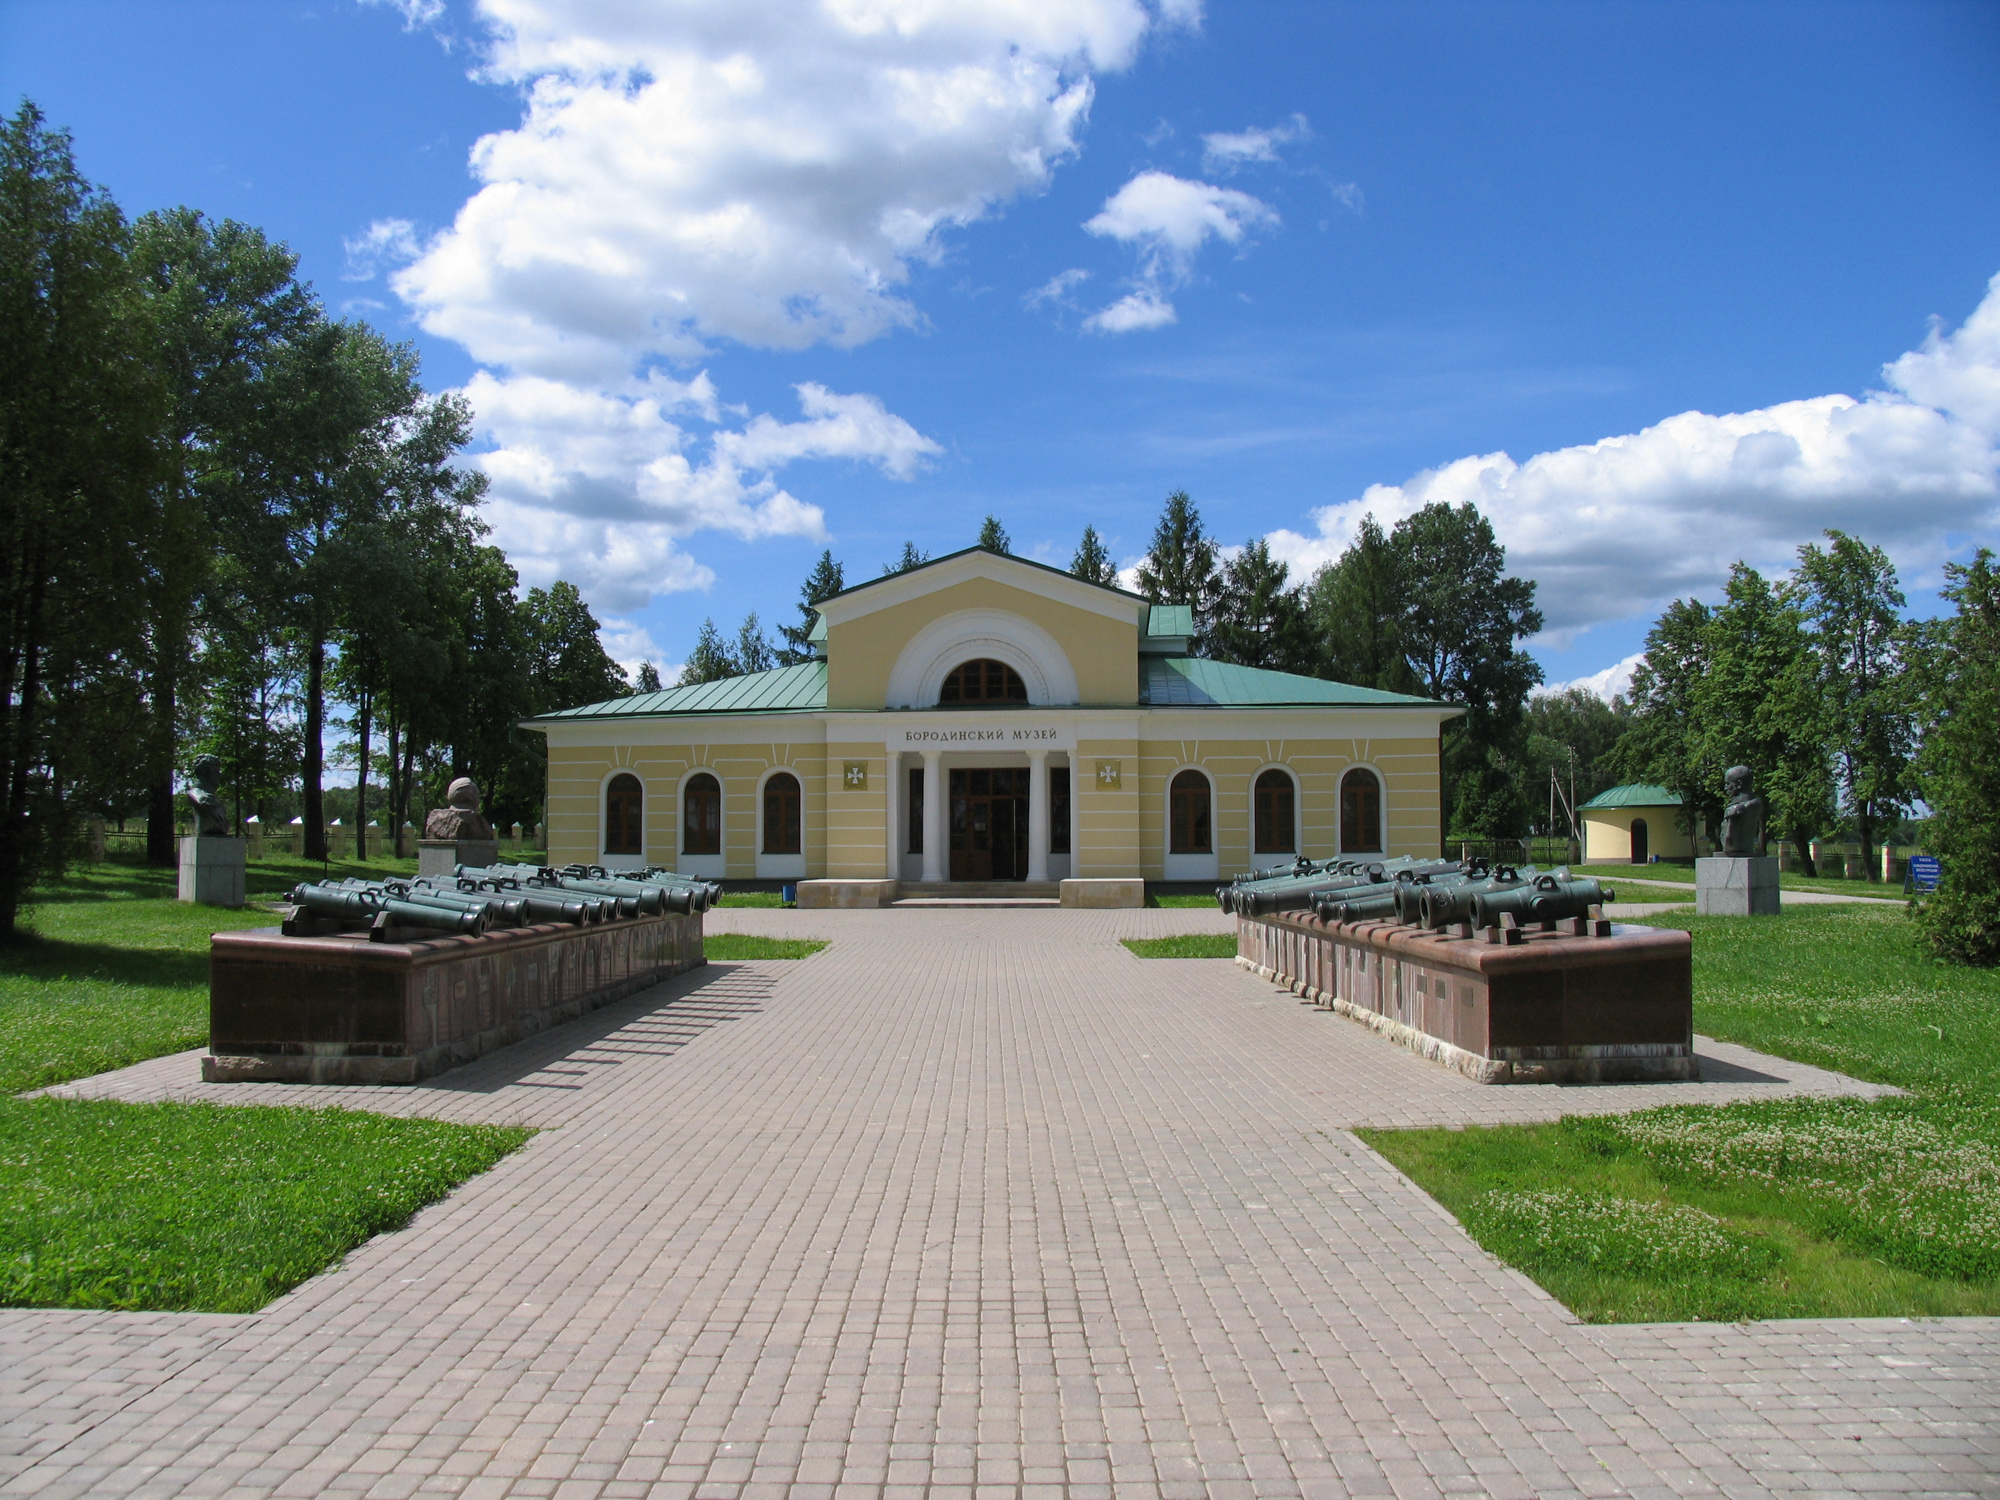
(1924, 872)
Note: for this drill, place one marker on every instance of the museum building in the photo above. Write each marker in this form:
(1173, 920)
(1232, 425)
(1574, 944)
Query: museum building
(983, 718)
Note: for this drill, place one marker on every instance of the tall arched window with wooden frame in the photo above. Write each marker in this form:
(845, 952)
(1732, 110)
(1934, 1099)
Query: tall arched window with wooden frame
(624, 815)
(1275, 800)
(701, 815)
(1187, 815)
(1361, 812)
(781, 813)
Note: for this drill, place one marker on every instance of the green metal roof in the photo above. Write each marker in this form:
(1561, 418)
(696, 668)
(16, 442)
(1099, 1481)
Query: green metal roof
(1170, 619)
(781, 690)
(1195, 682)
(817, 635)
(1165, 682)
(1634, 795)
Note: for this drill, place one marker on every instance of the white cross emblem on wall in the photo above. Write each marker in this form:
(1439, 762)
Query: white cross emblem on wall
(857, 776)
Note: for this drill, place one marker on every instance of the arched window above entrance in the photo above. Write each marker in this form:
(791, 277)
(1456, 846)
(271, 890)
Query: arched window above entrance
(1360, 812)
(1276, 826)
(1187, 815)
(701, 815)
(983, 681)
(624, 815)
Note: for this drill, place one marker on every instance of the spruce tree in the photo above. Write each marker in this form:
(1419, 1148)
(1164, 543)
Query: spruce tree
(1092, 563)
(1958, 661)
(646, 679)
(911, 558)
(710, 661)
(753, 651)
(1180, 566)
(993, 536)
(1258, 621)
(825, 580)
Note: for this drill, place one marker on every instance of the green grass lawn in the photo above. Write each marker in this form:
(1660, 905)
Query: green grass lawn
(1792, 1208)
(1199, 900)
(176, 1206)
(726, 947)
(751, 898)
(1789, 880)
(1185, 945)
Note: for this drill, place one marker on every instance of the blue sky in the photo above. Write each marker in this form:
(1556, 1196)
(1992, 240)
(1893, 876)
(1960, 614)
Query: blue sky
(729, 283)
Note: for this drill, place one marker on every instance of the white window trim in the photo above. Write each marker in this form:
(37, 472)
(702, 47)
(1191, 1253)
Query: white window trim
(1188, 866)
(712, 866)
(931, 654)
(781, 866)
(1381, 808)
(1272, 861)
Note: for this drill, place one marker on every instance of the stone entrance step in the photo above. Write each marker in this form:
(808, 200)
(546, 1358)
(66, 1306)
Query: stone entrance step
(980, 893)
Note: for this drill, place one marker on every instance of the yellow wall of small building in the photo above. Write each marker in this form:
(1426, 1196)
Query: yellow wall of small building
(1607, 834)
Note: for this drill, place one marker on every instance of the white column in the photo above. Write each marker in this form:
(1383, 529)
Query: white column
(937, 860)
(1038, 815)
(892, 815)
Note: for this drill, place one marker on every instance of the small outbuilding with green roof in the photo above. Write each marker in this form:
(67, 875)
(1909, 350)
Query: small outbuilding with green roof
(985, 718)
(1633, 824)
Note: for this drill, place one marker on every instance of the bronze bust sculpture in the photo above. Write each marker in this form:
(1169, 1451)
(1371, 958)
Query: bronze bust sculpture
(460, 817)
(1742, 814)
(211, 818)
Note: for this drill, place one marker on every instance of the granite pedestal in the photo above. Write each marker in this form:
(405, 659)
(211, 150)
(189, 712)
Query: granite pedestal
(1736, 885)
(212, 871)
(444, 856)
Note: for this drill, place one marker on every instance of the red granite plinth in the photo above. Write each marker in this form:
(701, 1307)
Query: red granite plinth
(340, 1009)
(1613, 1005)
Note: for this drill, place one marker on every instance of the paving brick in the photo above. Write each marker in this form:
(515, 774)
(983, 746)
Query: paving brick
(972, 1203)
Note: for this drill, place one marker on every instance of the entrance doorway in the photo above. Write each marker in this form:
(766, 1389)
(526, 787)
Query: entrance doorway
(989, 824)
(1638, 841)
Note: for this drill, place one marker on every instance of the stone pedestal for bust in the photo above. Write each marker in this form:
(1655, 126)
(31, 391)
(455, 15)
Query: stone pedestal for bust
(444, 856)
(212, 871)
(1736, 885)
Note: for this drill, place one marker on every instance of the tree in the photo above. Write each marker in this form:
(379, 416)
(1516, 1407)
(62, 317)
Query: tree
(1354, 611)
(993, 536)
(570, 666)
(1958, 669)
(1460, 619)
(646, 679)
(826, 579)
(222, 302)
(1180, 566)
(78, 410)
(1092, 563)
(710, 661)
(1851, 596)
(911, 558)
(1569, 739)
(753, 652)
(1258, 621)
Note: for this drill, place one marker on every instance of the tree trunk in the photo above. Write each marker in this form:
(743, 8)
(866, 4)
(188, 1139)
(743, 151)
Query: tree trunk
(366, 705)
(395, 784)
(1802, 841)
(1869, 869)
(160, 822)
(20, 750)
(312, 768)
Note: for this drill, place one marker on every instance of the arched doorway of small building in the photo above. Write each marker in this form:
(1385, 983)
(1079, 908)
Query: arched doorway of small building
(989, 823)
(1638, 841)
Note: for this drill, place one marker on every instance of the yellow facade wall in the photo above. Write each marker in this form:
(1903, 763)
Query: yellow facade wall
(1105, 821)
(1607, 834)
(1408, 768)
(857, 834)
(577, 775)
(1103, 652)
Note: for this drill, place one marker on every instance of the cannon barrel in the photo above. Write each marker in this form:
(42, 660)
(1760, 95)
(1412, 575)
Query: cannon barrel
(1298, 894)
(404, 913)
(510, 910)
(1547, 898)
(1442, 905)
(336, 901)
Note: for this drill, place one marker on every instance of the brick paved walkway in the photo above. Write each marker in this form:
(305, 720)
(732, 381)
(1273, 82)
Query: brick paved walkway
(973, 1203)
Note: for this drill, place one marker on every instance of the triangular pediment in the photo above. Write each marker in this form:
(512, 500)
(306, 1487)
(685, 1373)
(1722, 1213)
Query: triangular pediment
(944, 574)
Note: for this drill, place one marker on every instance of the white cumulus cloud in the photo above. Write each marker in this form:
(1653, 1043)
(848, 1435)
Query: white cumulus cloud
(386, 242)
(767, 173)
(1167, 219)
(600, 487)
(1615, 528)
(1223, 150)
(1615, 681)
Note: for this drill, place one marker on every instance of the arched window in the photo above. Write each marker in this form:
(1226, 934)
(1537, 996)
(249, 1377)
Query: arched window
(624, 815)
(781, 814)
(1360, 812)
(1276, 828)
(1187, 815)
(983, 681)
(701, 815)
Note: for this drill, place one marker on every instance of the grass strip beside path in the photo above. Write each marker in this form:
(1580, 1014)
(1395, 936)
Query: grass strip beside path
(1185, 945)
(1791, 1208)
(736, 947)
(207, 1208)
